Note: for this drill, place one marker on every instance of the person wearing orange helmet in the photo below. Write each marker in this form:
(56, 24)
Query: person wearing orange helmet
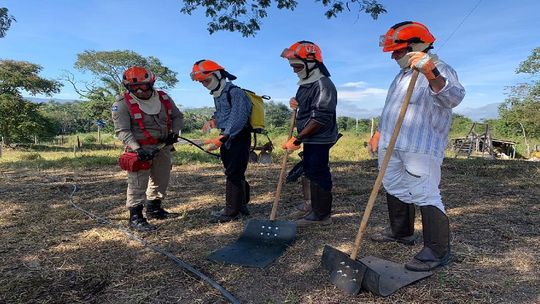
(145, 118)
(233, 109)
(414, 171)
(315, 103)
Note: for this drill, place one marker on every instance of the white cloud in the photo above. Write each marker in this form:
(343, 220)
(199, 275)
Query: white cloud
(362, 94)
(357, 84)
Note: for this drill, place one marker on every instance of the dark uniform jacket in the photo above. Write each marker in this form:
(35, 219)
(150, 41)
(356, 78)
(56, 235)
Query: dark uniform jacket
(318, 100)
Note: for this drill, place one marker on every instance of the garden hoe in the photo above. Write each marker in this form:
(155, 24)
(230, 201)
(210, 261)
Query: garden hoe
(379, 276)
(262, 240)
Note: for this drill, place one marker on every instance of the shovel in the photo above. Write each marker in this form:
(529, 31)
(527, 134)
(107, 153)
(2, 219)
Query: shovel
(262, 241)
(379, 276)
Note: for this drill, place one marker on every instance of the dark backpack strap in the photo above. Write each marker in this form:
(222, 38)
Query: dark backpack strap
(229, 97)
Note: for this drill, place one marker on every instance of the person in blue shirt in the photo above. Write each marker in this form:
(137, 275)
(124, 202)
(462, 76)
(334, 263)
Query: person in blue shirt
(414, 170)
(233, 109)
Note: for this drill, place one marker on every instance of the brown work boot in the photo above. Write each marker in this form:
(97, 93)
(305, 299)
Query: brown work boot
(304, 207)
(401, 217)
(234, 201)
(312, 220)
(436, 251)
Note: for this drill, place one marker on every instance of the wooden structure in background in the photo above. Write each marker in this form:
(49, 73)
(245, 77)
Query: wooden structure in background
(483, 144)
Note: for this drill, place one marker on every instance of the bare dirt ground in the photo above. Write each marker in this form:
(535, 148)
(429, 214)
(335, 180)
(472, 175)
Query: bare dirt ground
(51, 252)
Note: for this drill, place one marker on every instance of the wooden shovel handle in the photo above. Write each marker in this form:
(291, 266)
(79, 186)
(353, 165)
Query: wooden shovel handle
(382, 170)
(282, 173)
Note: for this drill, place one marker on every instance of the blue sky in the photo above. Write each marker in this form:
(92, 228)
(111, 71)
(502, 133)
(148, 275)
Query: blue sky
(485, 50)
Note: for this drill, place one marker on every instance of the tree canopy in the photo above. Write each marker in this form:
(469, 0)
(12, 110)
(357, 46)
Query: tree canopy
(521, 110)
(5, 21)
(22, 75)
(19, 118)
(108, 67)
(246, 16)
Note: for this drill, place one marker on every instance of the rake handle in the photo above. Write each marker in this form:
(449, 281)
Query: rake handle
(282, 173)
(378, 181)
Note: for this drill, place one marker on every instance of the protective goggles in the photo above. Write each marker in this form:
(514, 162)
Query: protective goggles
(143, 86)
(200, 75)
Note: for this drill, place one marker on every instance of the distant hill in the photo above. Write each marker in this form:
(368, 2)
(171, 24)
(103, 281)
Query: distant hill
(489, 111)
(44, 100)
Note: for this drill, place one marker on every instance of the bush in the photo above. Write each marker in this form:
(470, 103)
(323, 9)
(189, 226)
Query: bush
(30, 156)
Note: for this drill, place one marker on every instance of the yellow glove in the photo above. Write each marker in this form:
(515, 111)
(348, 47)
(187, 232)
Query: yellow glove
(293, 103)
(214, 143)
(423, 63)
(209, 125)
(290, 145)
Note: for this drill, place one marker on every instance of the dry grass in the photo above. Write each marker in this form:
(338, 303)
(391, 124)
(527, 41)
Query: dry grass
(52, 253)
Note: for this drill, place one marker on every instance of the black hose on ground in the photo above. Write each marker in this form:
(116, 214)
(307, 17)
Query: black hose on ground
(230, 297)
(196, 145)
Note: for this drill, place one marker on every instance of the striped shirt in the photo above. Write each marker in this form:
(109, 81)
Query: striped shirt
(429, 115)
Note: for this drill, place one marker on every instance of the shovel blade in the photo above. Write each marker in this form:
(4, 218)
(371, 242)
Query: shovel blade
(345, 273)
(385, 277)
(260, 244)
(381, 277)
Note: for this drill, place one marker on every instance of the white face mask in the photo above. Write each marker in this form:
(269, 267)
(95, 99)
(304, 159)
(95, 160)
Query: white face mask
(214, 82)
(403, 62)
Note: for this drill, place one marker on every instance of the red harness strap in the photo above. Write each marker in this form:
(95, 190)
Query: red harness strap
(138, 115)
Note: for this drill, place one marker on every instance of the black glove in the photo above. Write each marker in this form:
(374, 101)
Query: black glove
(171, 139)
(144, 155)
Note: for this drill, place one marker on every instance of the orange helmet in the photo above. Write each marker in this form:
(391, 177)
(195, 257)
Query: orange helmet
(202, 69)
(138, 75)
(303, 50)
(403, 34)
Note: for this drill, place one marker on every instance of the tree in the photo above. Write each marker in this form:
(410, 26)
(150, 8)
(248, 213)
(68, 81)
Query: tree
(245, 17)
(521, 110)
(5, 21)
(108, 67)
(20, 119)
(460, 125)
(67, 118)
(21, 75)
(276, 115)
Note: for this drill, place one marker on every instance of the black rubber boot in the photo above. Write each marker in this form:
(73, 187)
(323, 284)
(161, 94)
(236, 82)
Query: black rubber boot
(234, 200)
(321, 207)
(247, 192)
(137, 220)
(155, 211)
(436, 251)
(401, 217)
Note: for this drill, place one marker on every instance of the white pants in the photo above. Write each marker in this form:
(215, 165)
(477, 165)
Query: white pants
(413, 178)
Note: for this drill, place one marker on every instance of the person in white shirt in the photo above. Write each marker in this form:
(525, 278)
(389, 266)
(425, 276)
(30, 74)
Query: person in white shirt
(414, 171)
